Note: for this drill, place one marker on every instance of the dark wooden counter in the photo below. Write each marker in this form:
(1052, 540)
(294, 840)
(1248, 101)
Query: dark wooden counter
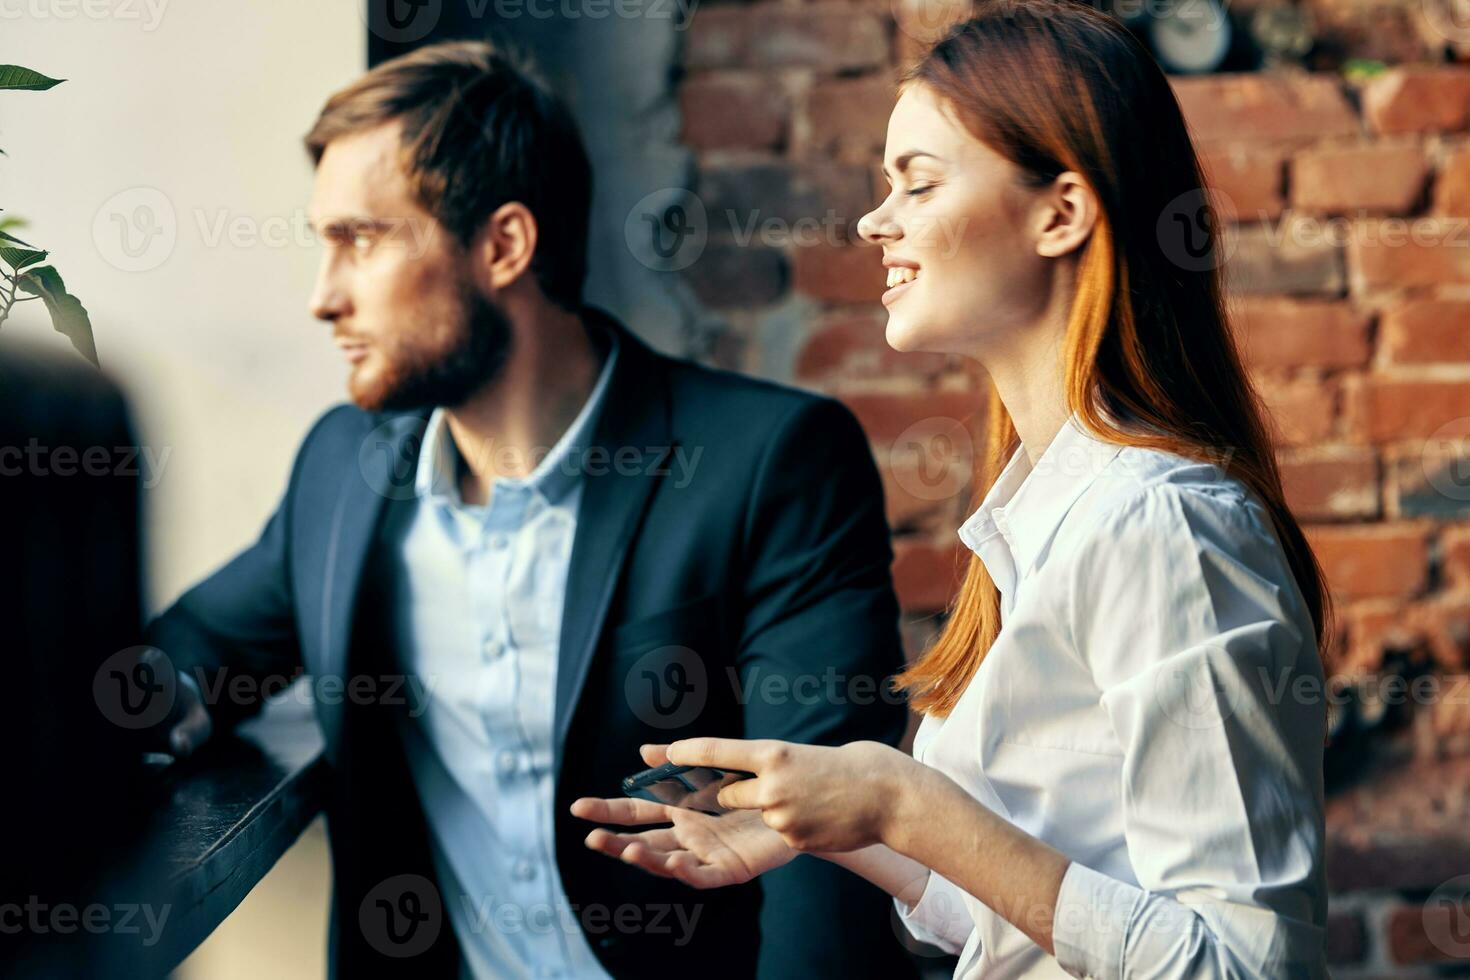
(215, 825)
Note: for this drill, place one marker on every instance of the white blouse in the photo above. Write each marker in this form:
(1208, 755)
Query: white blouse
(1154, 708)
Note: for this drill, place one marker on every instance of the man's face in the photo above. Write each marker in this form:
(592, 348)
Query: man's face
(398, 289)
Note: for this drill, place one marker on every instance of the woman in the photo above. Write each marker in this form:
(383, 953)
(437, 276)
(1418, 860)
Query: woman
(1118, 772)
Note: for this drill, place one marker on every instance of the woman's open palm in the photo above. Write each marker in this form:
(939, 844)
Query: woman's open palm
(699, 849)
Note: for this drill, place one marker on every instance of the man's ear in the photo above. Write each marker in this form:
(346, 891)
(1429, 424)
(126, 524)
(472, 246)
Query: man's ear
(505, 245)
(1068, 210)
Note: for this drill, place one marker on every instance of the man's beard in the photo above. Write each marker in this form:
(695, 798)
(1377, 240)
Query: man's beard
(418, 377)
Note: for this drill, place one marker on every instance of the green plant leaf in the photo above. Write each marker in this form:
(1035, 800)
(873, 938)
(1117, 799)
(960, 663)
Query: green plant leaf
(6, 236)
(19, 258)
(8, 223)
(68, 315)
(1362, 69)
(26, 80)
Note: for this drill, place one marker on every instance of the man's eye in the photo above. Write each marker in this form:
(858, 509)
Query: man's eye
(362, 240)
(922, 189)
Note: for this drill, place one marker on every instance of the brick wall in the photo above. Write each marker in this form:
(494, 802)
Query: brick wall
(1349, 276)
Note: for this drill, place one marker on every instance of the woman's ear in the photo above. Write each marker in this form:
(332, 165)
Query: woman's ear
(1068, 211)
(505, 246)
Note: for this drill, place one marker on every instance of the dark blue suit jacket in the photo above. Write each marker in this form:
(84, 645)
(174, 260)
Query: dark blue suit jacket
(747, 594)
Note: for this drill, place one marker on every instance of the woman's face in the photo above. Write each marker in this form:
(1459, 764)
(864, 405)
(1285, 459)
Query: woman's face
(959, 235)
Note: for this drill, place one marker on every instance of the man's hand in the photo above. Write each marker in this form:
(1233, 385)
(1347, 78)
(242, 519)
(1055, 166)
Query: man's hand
(188, 725)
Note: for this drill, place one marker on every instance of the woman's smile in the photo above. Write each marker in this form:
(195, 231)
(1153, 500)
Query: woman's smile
(901, 275)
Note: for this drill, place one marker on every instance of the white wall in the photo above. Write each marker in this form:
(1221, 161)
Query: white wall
(196, 110)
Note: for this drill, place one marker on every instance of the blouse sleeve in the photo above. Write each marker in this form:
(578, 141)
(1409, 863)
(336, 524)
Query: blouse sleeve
(940, 917)
(1185, 612)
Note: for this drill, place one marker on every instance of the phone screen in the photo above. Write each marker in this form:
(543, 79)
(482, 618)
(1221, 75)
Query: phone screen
(686, 787)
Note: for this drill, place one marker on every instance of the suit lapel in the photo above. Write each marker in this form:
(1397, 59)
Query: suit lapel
(634, 419)
(382, 471)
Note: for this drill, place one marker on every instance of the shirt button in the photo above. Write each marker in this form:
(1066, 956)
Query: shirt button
(493, 649)
(508, 761)
(523, 870)
(499, 541)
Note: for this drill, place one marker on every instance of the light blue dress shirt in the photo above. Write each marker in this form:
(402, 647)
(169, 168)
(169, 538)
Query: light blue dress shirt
(477, 595)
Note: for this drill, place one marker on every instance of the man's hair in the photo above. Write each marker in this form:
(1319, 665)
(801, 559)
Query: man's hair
(480, 129)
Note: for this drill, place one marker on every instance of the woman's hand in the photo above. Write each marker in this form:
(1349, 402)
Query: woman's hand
(700, 850)
(817, 798)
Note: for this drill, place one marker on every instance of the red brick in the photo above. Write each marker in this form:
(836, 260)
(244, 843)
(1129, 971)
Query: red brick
(848, 117)
(776, 203)
(1228, 108)
(1395, 35)
(1455, 555)
(839, 273)
(850, 345)
(887, 415)
(1342, 180)
(1383, 560)
(1385, 409)
(1439, 625)
(1366, 629)
(1424, 934)
(1277, 332)
(1450, 716)
(1401, 826)
(1296, 255)
(1444, 621)
(1397, 252)
(823, 36)
(1245, 181)
(926, 575)
(1331, 484)
(734, 111)
(1301, 411)
(1426, 331)
(1431, 477)
(1418, 99)
(922, 22)
(1452, 186)
(932, 460)
(728, 275)
(915, 503)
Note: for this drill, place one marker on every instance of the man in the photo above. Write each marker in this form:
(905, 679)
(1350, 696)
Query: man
(532, 545)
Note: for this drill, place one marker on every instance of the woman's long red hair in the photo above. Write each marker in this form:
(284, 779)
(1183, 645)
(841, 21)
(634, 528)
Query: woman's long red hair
(1054, 85)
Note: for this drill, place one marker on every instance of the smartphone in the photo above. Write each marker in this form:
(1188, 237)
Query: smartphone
(686, 787)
